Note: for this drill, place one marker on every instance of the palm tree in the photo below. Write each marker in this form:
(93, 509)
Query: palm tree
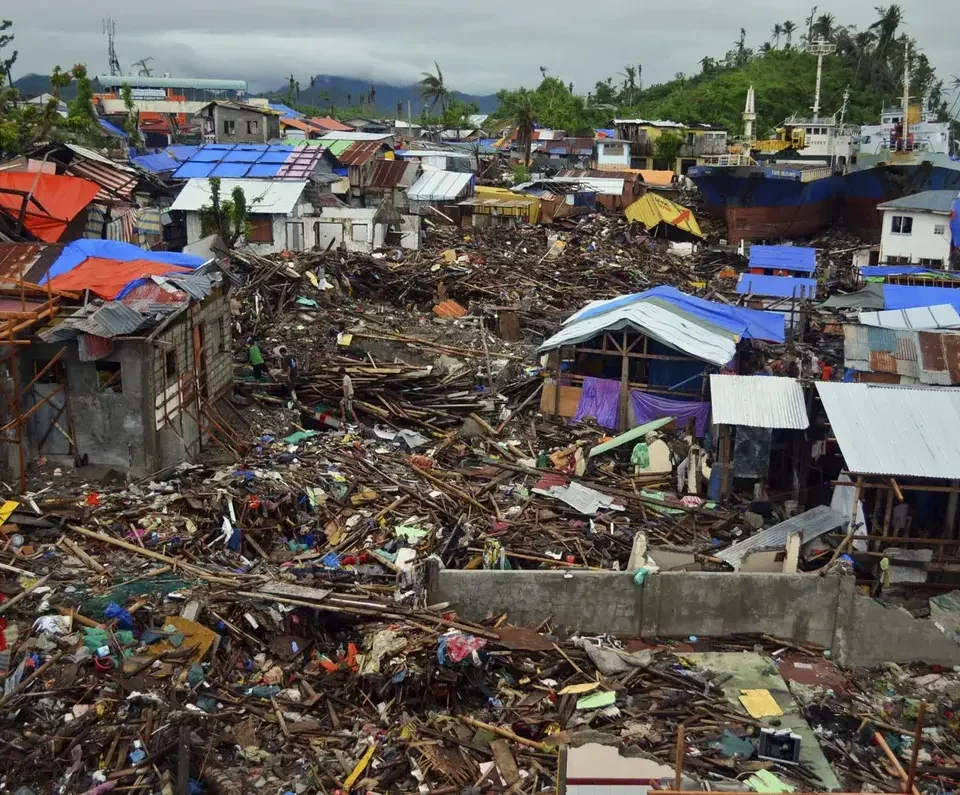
(707, 64)
(862, 42)
(776, 33)
(809, 22)
(521, 116)
(788, 30)
(823, 27)
(372, 98)
(766, 48)
(433, 90)
(349, 100)
(629, 75)
(886, 27)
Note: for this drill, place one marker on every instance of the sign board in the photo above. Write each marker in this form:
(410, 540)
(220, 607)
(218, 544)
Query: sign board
(148, 93)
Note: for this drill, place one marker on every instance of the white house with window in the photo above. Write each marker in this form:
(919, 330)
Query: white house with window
(916, 229)
(282, 216)
(612, 153)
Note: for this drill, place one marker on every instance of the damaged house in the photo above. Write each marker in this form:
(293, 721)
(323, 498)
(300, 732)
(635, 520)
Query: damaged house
(129, 378)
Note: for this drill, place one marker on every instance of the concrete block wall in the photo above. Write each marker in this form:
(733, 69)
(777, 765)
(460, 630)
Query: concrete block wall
(805, 608)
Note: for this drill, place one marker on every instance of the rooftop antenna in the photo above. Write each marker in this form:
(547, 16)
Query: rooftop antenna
(820, 47)
(144, 69)
(109, 27)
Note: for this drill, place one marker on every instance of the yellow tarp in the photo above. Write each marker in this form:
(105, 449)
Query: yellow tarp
(660, 179)
(489, 193)
(651, 210)
(760, 704)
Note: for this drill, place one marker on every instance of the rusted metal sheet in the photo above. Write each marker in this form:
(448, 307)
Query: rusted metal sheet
(359, 153)
(882, 362)
(387, 174)
(115, 185)
(27, 261)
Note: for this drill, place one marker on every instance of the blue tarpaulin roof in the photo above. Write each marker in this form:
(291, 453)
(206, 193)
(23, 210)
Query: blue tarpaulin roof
(788, 258)
(76, 252)
(777, 286)
(748, 323)
(955, 223)
(168, 159)
(285, 111)
(897, 296)
(112, 129)
(237, 161)
(873, 271)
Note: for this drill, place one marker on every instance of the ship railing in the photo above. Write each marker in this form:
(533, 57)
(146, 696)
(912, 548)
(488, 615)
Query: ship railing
(736, 159)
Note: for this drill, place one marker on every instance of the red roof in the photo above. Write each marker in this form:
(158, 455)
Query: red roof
(57, 200)
(299, 124)
(330, 124)
(107, 277)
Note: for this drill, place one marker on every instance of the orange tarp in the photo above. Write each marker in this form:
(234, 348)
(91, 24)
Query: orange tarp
(107, 277)
(62, 197)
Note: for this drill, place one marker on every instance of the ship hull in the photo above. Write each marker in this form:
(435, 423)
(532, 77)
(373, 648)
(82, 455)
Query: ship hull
(867, 188)
(765, 203)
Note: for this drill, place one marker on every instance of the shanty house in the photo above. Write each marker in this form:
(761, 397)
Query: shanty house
(905, 483)
(760, 420)
(389, 182)
(699, 141)
(131, 377)
(437, 193)
(636, 358)
(611, 153)
(235, 123)
(917, 229)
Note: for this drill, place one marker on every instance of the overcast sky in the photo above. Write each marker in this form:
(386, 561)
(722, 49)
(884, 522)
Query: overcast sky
(479, 48)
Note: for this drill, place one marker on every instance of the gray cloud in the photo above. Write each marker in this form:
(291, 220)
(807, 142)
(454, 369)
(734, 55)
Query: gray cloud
(479, 49)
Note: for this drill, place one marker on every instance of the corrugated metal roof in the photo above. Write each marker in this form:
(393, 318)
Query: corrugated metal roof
(895, 430)
(115, 183)
(27, 261)
(351, 135)
(789, 258)
(135, 81)
(264, 196)
(943, 316)
(758, 401)
(390, 174)
(605, 186)
(927, 357)
(811, 525)
(439, 186)
(330, 124)
(777, 286)
(933, 201)
(698, 340)
(359, 153)
(169, 159)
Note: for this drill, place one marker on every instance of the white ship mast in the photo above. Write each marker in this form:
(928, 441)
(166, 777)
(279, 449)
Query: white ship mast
(905, 134)
(749, 115)
(820, 47)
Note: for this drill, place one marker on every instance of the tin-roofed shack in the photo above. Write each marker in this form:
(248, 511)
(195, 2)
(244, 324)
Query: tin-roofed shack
(129, 381)
(640, 357)
(900, 483)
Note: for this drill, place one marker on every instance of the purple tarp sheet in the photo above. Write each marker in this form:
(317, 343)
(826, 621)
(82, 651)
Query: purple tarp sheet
(647, 407)
(599, 399)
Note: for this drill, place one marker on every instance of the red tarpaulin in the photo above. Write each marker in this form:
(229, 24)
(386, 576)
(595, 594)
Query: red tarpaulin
(62, 198)
(107, 277)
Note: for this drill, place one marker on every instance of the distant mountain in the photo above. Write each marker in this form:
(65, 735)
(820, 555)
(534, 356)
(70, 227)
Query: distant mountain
(33, 85)
(345, 92)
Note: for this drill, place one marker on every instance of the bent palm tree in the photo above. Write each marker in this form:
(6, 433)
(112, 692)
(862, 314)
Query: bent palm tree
(886, 27)
(433, 90)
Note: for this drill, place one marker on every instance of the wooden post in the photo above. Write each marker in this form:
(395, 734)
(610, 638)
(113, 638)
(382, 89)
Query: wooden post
(951, 531)
(681, 738)
(623, 412)
(917, 736)
(556, 397)
(727, 465)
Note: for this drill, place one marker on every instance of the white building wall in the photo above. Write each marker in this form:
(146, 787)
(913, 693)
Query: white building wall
(605, 158)
(923, 242)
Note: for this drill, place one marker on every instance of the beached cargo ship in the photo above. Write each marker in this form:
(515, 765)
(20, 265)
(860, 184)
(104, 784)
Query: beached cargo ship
(788, 186)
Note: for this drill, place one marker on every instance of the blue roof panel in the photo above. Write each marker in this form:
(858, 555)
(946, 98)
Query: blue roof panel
(207, 155)
(777, 286)
(230, 170)
(193, 169)
(264, 170)
(275, 157)
(789, 258)
(897, 296)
